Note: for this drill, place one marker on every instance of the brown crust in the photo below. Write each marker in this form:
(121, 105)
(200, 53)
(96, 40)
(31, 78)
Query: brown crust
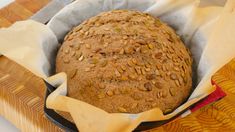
(126, 61)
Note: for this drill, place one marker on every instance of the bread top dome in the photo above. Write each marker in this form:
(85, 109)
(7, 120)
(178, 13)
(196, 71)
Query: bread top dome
(126, 61)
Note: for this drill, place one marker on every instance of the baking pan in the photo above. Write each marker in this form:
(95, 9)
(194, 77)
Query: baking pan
(69, 126)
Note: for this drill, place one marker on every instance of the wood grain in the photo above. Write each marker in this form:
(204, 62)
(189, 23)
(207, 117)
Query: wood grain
(4, 22)
(22, 93)
(32, 5)
(19, 10)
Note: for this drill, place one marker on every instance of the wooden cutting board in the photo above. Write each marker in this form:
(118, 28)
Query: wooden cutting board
(22, 93)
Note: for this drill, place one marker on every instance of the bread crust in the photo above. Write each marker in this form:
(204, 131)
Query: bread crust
(126, 61)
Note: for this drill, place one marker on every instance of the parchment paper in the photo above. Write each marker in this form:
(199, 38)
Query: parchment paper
(206, 31)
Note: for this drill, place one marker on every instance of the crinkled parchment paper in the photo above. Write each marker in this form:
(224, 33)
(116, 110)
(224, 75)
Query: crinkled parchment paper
(207, 31)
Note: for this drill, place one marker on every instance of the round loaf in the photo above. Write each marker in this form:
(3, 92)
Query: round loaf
(126, 61)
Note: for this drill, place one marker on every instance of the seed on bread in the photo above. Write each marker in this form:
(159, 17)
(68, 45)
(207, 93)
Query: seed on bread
(72, 73)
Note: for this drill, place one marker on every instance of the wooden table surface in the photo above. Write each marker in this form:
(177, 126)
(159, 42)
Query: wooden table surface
(22, 93)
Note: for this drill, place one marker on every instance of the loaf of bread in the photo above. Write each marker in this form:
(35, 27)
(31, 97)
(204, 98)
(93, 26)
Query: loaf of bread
(126, 61)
